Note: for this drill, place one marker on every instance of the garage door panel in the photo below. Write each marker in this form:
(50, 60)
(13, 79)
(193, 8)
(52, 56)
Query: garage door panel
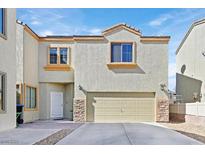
(107, 118)
(108, 112)
(124, 109)
(108, 104)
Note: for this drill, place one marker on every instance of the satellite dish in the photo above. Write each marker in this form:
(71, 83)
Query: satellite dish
(183, 69)
(203, 53)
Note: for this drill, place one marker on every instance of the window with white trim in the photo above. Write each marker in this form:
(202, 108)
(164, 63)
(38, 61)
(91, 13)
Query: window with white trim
(121, 52)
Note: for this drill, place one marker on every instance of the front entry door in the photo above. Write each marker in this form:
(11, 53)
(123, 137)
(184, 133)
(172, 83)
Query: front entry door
(56, 105)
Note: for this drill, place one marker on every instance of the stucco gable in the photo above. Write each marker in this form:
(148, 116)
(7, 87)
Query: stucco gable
(121, 26)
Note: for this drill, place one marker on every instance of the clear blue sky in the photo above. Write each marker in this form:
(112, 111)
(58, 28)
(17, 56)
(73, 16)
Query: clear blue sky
(173, 22)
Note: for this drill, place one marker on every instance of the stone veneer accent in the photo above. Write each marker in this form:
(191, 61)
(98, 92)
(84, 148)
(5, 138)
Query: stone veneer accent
(79, 110)
(162, 110)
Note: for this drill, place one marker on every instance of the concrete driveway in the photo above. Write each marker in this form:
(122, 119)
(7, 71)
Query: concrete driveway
(34, 132)
(125, 134)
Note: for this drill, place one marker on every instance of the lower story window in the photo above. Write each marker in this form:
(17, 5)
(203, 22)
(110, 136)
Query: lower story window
(2, 91)
(31, 98)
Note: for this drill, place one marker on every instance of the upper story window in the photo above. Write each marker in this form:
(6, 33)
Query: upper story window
(63, 55)
(59, 58)
(2, 91)
(58, 55)
(121, 52)
(2, 21)
(53, 56)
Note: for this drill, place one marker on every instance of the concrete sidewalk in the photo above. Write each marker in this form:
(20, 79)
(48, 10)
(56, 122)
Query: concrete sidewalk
(27, 134)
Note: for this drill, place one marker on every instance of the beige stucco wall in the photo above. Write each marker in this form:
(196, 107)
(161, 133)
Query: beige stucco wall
(92, 73)
(190, 54)
(45, 105)
(8, 65)
(30, 59)
(53, 76)
(27, 66)
(31, 71)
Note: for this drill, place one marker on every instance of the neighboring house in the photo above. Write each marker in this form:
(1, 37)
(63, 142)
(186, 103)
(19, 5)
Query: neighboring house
(190, 77)
(190, 62)
(113, 77)
(7, 68)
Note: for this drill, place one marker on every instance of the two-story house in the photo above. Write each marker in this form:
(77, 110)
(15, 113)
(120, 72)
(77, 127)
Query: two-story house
(7, 68)
(117, 76)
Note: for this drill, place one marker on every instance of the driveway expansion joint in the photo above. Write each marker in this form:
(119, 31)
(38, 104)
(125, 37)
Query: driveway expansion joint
(123, 126)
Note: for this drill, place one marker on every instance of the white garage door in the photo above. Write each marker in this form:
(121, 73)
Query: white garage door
(124, 109)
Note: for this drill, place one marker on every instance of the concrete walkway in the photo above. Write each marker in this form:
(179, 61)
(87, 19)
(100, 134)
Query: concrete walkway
(125, 134)
(33, 132)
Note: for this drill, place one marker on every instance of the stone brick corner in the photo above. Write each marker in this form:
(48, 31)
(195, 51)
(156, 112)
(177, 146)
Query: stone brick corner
(162, 110)
(79, 110)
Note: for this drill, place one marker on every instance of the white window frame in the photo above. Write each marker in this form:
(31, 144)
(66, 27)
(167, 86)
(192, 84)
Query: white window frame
(133, 51)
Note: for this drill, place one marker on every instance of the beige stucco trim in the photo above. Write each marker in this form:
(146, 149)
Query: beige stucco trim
(101, 38)
(71, 39)
(27, 29)
(53, 39)
(57, 67)
(122, 65)
(155, 40)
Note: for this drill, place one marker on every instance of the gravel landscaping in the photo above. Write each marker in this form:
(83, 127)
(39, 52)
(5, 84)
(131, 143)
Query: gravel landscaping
(54, 138)
(191, 130)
